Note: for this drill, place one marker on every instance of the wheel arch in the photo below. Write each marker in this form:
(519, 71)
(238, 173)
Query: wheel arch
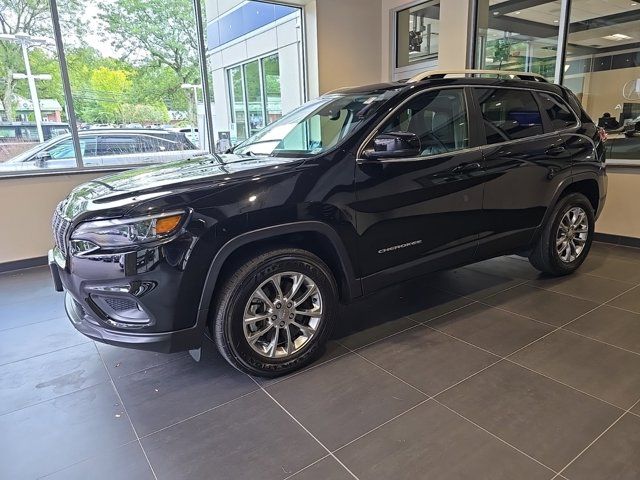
(323, 241)
(585, 184)
(588, 187)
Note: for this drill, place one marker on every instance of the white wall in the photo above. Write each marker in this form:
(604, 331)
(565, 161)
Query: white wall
(28, 205)
(347, 42)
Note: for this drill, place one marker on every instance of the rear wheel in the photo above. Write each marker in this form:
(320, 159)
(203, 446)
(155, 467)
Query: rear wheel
(566, 239)
(274, 314)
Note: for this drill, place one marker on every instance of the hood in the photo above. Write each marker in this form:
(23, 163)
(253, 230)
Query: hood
(129, 187)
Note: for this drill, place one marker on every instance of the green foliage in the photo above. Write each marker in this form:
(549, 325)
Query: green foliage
(502, 51)
(141, 113)
(163, 32)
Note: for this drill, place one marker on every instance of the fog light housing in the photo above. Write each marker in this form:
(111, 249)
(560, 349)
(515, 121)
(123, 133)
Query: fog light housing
(121, 311)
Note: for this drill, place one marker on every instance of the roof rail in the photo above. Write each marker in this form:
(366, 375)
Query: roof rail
(499, 73)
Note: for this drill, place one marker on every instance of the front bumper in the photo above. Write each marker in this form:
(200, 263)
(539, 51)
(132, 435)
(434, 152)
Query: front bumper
(129, 300)
(164, 342)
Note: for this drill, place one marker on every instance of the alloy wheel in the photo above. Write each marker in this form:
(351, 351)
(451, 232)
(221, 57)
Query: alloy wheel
(572, 234)
(282, 315)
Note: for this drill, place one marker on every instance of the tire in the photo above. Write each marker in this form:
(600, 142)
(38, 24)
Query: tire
(238, 298)
(546, 256)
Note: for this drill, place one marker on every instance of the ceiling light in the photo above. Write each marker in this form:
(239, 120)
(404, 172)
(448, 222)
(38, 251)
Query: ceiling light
(518, 12)
(556, 21)
(496, 13)
(616, 37)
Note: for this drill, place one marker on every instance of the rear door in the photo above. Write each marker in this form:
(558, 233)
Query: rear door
(523, 159)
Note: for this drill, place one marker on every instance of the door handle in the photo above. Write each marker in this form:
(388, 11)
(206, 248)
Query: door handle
(555, 150)
(467, 167)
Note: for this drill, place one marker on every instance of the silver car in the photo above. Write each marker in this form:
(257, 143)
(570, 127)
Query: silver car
(106, 147)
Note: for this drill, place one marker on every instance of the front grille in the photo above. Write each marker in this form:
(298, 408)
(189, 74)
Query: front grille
(60, 227)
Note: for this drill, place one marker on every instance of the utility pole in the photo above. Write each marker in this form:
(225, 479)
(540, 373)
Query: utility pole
(25, 42)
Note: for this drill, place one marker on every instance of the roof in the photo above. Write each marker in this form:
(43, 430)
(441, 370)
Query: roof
(46, 104)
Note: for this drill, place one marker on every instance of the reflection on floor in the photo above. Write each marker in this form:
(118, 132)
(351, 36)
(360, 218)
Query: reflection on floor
(485, 372)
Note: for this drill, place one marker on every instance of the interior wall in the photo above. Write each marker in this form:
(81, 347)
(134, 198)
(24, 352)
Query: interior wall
(29, 203)
(620, 214)
(602, 91)
(347, 42)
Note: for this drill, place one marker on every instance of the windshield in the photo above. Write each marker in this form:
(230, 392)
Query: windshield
(314, 127)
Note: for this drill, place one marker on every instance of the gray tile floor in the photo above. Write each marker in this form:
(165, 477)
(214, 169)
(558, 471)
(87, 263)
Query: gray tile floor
(485, 372)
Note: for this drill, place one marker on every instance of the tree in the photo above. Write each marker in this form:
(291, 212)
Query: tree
(109, 88)
(160, 32)
(145, 114)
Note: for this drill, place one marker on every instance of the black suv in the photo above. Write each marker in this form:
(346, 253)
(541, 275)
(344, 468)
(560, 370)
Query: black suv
(362, 188)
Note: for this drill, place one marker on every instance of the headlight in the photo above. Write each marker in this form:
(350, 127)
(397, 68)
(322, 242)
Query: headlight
(124, 232)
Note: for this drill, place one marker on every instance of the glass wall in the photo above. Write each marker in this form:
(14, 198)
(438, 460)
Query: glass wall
(134, 81)
(514, 36)
(417, 33)
(603, 69)
(134, 78)
(601, 64)
(32, 103)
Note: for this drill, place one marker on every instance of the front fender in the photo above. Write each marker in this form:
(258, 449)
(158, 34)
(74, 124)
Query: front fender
(352, 284)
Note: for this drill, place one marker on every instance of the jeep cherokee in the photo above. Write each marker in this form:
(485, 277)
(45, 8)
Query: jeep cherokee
(354, 191)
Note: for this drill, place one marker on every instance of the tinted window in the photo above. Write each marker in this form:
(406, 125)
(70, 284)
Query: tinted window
(438, 118)
(118, 145)
(509, 114)
(559, 113)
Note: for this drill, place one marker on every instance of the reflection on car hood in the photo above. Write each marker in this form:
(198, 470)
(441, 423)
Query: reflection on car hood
(141, 184)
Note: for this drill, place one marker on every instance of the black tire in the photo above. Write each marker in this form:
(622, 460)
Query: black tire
(237, 289)
(545, 256)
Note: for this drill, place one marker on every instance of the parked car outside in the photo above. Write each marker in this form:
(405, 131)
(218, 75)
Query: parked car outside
(16, 137)
(352, 192)
(106, 147)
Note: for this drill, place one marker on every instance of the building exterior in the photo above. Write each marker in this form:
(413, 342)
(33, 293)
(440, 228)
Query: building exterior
(255, 59)
(49, 107)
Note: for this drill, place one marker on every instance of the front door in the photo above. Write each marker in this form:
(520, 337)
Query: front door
(416, 214)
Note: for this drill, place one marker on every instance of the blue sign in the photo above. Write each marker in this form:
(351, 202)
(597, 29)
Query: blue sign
(245, 19)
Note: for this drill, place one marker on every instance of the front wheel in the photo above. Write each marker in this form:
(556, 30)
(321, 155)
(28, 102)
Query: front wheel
(274, 314)
(566, 239)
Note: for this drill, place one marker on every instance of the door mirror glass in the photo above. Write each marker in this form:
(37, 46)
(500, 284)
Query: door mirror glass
(394, 145)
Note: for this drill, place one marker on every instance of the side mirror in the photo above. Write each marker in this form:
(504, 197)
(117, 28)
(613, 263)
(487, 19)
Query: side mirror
(394, 145)
(42, 158)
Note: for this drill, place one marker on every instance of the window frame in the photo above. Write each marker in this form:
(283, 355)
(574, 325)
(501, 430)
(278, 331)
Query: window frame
(397, 73)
